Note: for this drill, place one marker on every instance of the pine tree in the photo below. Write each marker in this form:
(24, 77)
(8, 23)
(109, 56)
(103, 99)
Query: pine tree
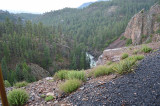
(4, 68)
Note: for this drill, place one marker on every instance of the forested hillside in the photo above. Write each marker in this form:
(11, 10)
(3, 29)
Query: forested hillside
(34, 43)
(28, 16)
(97, 25)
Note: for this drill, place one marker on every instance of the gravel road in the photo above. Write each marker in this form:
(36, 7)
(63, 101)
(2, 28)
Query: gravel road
(139, 88)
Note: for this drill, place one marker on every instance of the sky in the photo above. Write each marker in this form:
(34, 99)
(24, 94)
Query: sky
(39, 6)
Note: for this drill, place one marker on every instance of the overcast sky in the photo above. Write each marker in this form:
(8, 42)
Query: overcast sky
(39, 6)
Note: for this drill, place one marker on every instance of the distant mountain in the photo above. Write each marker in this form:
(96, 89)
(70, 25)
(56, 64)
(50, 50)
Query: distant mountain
(88, 3)
(85, 4)
(6, 14)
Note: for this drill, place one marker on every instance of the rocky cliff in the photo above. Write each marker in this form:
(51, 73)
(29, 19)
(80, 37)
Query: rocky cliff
(144, 26)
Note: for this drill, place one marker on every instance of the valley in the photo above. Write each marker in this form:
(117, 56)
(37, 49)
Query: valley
(106, 53)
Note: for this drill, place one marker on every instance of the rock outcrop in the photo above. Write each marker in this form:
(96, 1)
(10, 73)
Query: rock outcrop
(143, 25)
(115, 54)
(38, 71)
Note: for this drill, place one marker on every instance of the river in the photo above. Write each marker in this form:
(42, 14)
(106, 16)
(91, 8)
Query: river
(92, 61)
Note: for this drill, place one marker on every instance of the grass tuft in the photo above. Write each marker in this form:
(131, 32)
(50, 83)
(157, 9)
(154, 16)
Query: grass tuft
(20, 84)
(62, 74)
(73, 74)
(70, 85)
(124, 66)
(17, 97)
(49, 98)
(146, 49)
(80, 75)
(124, 56)
(7, 84)
(102, 70)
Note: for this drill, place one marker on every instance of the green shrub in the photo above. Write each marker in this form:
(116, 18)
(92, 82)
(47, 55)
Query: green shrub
(7, 84)
(146, 49)
(48, 98)
(70, 85)
(17, 97)
(72, 74)
(20, 84)
(139, 57)
(125, 55)
(102, 70)
(80, 75)
(61, 74)
(43, 96)
(124, 66)
(109, 62)
(128, 42)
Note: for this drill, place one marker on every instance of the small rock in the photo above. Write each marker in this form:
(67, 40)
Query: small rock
(55, 102)
(48, 103)
(50, 94)
(84, 99)
(81, 88)
(49, 78)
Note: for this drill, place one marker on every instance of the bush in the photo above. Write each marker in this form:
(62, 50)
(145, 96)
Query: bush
(146, 49)
(48, 98)
(61, 74)
(80, 75)
(125, 55)
(17, 97)
(7, 84)
(102, 70)
(21, 84)
(70, 85)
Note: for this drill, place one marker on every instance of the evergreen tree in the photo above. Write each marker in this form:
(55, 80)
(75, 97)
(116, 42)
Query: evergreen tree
(4, 68)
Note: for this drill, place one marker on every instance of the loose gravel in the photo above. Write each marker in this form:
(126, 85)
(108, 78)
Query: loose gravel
(139, 88)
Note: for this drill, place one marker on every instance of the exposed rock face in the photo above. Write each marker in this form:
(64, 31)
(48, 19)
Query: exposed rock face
(38, 71)
(143, 23)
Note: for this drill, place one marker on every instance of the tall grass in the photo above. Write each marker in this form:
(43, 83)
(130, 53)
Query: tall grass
(17, 97)
(73, 74)
(125, 55)
(102, 70)
(80, 75)
(62, 74)
(20, 84)
(70, 85)
(126, 65)
(146, 49)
